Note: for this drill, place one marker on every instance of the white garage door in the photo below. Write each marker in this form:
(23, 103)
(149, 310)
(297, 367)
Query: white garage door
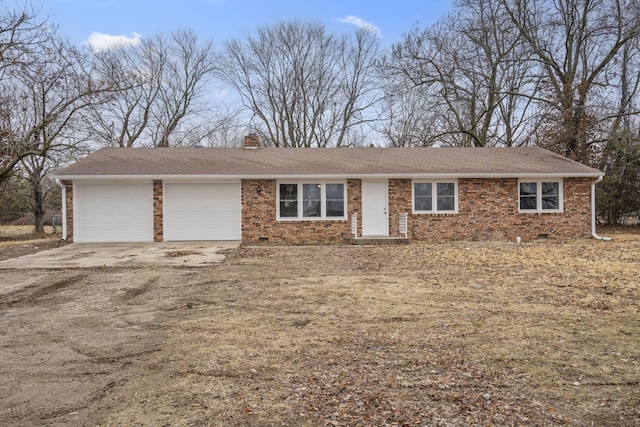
(202, 211)
(121, 212)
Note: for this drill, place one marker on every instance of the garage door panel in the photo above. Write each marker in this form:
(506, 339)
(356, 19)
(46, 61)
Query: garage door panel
(203, 211)
(113, 212)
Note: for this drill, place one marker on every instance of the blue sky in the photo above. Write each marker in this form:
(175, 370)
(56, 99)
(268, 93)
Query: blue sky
(223, 19)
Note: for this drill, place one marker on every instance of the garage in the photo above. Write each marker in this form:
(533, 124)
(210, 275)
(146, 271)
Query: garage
(202, 211)
(113, 212)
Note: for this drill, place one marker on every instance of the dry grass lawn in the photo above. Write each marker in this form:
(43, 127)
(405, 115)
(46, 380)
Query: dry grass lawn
(20, 231)
(17, 240)
(455, 334)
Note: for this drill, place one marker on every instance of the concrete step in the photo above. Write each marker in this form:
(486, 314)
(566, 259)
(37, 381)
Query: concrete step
(380, 241)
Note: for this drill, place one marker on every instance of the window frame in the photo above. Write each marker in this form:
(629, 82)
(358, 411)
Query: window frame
(539, 206)
(323, 200)
(434, 196)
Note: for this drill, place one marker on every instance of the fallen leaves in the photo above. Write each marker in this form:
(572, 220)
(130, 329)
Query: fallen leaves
(455, 334)
(377, 381)
(178, 254)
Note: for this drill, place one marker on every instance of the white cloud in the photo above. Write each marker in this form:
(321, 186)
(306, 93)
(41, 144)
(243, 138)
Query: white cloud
(360, 23)
(220, 93)
(99, 41)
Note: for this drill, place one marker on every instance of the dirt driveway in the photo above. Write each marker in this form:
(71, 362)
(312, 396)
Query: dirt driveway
(83, 255)
(457, 334)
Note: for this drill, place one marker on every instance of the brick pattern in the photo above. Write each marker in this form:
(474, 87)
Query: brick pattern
(68, 186)
(251, 141)
(259, 223)
(488, 210)
(399, 202)
(158, 212)
(354, 203)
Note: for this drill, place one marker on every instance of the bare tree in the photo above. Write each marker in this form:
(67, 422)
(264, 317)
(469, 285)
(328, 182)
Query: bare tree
(304, 86)
(21, 32)
(34, 171)
(469, 69)
(409, 117)
(161, 100)
(619, 194)
(124, 119)
(576, 45)
(42, 98)
(188, 70)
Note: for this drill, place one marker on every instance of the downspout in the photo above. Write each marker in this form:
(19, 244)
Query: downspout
(593, 210)
(64, 209)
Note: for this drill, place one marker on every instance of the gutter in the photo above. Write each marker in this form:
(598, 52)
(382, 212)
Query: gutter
(593, 210)
(302, 176)
(64, 208)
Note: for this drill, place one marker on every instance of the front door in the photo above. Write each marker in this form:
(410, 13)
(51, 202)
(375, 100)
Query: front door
(375, 219)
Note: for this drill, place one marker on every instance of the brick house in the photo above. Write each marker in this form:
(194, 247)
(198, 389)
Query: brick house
(298, 196)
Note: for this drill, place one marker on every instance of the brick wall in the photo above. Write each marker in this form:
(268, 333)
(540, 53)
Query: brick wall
(158, 212)
(259, 222)
(399, 202)
(68, 186)
(488, 210)
(354, 195)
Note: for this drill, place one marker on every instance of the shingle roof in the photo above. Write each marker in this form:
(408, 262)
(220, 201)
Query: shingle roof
(343, 162)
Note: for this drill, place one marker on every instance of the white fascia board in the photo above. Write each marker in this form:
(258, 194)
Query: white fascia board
(465, 175)
(236, 178)
(149, 178)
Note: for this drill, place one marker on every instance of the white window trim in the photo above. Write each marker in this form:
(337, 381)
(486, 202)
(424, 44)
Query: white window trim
(538, 208)
(434, 183)
(323, 201)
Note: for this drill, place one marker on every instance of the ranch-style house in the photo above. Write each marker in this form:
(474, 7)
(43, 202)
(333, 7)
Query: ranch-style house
(325, 195)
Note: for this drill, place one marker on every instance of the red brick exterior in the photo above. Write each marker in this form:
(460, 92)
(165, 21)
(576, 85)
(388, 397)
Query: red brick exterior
(68, 187)
(259, 223)
(488, 210)
(158, 212)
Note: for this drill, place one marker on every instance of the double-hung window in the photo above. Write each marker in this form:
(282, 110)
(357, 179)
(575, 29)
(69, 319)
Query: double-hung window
(435, 196)
(288, 195)
(540, 196)
(311, 200)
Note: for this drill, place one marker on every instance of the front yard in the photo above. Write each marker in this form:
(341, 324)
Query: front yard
(456, 334)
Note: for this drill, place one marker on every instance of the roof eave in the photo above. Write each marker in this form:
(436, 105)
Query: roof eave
(207, 177)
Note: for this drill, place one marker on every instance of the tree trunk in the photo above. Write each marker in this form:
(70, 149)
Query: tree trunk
(38, 207)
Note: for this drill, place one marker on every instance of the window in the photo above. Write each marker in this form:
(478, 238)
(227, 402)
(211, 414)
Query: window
(540, 196)
(335, 200)
(435, 197)
(288, 200)
(422, 196)
(312, 200)
(528, 195)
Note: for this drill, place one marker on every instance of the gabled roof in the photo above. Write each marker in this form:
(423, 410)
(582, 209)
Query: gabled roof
(234, 163)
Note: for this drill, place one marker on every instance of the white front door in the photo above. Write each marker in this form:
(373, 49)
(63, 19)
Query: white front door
(375, 217)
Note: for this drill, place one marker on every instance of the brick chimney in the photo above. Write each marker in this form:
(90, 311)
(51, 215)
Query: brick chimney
(251, 142)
